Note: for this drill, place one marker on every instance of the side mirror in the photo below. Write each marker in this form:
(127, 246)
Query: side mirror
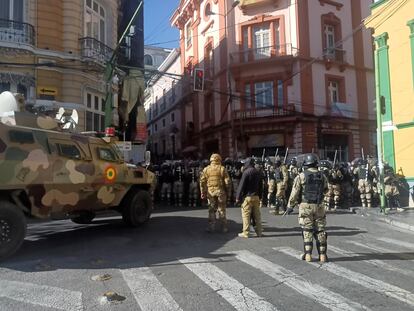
(147, 158)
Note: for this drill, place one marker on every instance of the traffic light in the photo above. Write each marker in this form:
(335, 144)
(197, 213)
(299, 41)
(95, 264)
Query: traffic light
(198, 79)
(382, 104)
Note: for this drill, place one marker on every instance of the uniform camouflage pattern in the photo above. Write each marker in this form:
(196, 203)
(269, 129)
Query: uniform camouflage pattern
(62, 173)
(215, 185)
(312, 216)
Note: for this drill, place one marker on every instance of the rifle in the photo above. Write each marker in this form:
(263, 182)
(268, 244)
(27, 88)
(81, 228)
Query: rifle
(277, 151)
(362, 152)
(334, 162)
(263, 154)
(286, 154)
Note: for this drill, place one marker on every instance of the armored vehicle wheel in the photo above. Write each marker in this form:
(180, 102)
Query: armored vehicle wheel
(137, 209)
(12, 229)
(84, 218)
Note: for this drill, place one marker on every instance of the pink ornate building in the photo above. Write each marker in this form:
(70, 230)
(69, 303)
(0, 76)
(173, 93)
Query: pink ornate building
(279, 74)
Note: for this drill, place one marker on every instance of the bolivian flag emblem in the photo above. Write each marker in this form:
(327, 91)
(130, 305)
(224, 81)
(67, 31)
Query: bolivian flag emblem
(110, 174)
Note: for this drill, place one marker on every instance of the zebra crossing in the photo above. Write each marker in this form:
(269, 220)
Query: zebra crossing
(294, 283)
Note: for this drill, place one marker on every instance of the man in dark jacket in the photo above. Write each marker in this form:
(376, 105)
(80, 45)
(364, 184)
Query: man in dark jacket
(250, 190)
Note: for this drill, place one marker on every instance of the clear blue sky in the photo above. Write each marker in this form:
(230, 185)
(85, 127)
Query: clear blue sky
(157, 26)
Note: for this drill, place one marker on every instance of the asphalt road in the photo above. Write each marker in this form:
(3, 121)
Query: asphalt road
(173, 264)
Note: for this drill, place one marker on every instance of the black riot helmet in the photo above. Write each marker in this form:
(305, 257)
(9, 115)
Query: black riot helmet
(293, 161)
(249, 162)
(310, 160)
(228, 162)
(325, 164)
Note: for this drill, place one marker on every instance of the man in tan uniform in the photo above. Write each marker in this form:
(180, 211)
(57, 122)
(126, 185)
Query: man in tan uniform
(308, 190)
(215, 185)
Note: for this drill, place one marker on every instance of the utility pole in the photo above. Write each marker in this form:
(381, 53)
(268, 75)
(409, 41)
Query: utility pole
(379, 135)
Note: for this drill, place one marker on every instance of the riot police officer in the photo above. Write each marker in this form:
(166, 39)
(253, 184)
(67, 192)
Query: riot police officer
(391, 191)
(281, 179)
(308, 191)
(166, 180)
(193, 192)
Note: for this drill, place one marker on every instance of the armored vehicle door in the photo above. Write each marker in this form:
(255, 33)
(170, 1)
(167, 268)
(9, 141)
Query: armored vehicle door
(111, 172)
(72, 171)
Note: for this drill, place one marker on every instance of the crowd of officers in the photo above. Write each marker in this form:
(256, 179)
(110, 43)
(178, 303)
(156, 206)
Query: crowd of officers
(314, 186)
(349, 183)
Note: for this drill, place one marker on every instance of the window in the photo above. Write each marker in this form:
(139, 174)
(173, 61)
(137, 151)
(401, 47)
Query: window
(155, 128)
(329, 32)
(95, 112)
(148, 60)
(21, 137)
(172, 117)
(333, 92)
(95, 21)
(248, 96)
(280, 95)
(188, 34)
(11, 10)
(69, 151)
(163, 123)
(263, 93)
(209, 61)
(22, 89)
(261, 41)
(106, 154)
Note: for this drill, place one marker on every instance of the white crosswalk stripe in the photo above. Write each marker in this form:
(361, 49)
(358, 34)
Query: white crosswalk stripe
(376, 262)
(396, 242)
(149, 293)
(361, 279)
(235, 293)
(41, 295)
(313, 291)
(382, 250)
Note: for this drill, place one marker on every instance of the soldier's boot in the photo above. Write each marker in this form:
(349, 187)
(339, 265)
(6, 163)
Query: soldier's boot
(321, 247)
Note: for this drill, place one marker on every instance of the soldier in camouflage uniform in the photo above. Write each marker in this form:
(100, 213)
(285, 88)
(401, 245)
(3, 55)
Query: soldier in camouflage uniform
(269, 172)
(293, 171)
(325, 167)
(308, 191)
(336, 179)
(228, 164)
(178, 184)
(363, 174)
(166, 181)
(215, 185)
(346, 185)
(281, 179)
(391, 188)
(193, 192)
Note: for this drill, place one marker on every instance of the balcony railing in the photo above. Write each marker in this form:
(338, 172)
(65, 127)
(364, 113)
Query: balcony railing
(94, 49)
(16, 32)
(333, 54)
(254, 54)
(265, 112)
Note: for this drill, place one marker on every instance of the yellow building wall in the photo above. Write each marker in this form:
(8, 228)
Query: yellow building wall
(392, 17)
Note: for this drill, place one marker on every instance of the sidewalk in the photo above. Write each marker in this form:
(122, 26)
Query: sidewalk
(402, 220)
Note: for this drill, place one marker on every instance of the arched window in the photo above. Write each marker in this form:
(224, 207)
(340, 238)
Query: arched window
(148, 60)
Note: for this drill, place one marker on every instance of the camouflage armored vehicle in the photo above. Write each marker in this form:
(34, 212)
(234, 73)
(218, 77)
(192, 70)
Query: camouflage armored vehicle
(50, 174)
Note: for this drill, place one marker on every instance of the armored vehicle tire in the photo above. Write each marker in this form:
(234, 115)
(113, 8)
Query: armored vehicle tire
(137, 209)
(12, 229)
(84, 219)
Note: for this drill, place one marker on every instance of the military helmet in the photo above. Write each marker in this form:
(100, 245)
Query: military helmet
(215, 157)
(228, 161)
(278, 160)
(325, 164)
(249, 162)
(293, 161)
(310, 159)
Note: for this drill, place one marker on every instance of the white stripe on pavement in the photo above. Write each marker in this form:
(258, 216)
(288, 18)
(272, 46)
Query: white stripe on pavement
(323, 296)
(359, 278)
(41, 295)
(376, 262)
(397, 242)
(235, 293)
(383, 250)
(149, 293)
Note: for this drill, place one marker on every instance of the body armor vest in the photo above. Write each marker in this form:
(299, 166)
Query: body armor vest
(363, 173)
(215, 176)
(193, 174)
(313, 187)
(278, 174)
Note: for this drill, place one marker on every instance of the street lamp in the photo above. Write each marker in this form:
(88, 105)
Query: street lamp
(230, 99)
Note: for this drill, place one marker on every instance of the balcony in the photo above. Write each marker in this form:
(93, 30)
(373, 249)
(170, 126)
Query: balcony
(263, 53)
(16, 32)
(335, 55)
(95, 50)
(265, 112)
